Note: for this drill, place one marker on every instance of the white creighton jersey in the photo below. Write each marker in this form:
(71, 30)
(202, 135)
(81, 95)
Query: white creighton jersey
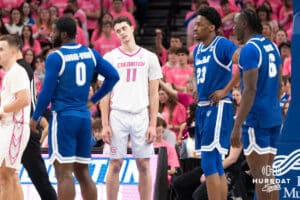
(131, 93)
(15, 80)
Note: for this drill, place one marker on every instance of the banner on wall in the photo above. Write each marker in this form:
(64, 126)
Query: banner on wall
(98, 171)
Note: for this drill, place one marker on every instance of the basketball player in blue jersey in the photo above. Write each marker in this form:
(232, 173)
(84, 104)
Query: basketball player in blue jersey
(213, 62)
(259, 118)
(69, 72)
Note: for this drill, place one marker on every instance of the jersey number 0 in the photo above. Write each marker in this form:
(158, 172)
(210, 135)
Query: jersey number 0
(80, 74)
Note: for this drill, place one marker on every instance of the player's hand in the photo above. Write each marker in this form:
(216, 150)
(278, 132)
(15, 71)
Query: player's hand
(236, 135)
(34, 126)
(216, 96)
(106, 134)
(151, 134)
(202, 178)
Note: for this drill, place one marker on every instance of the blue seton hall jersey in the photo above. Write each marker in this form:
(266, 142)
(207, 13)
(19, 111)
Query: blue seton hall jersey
(261, 53)
(69, 72)
(213, 66)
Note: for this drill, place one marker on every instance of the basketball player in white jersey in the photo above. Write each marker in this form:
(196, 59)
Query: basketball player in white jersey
(14, 118)
(131, 108)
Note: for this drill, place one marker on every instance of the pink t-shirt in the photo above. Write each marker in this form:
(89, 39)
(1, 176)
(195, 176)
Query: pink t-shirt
(192, 48)
(185, 99)
(95, 36)
(167, 72)
(180, 75)
(163, 57)
(179, 116)
(80, 14)
(173, 160)
(216, 4)
(282, 15)
(11, 3)
(90, 6)
(60, 4)
(125, 14)
(81, 37)
(104, 45)
(36, 47)
(286, 70)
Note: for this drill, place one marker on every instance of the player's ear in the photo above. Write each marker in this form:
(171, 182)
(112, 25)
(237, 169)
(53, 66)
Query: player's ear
(212, 28)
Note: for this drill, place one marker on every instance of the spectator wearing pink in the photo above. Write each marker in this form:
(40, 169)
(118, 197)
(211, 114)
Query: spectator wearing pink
(181, 73)
(28, 41)
(193, 9)
(170, 65)
(16, 22)
(285, 50)
(173, 112)
(10, 3)
(108, 39)
(128, 5)
(80, 35)
(161, 52)
(60, 4)
(6, 6)
(54, 12)
(216, 4)
(273, 5)
(28, 19)
(185, 98)
(286, 70)
(80, 15)
(43, 27)
(98, 31)
(36, 6)
(267, 31)
(117, 11)
(172, 157)
(281, 36)
(227, 18)
(286, 15)
(249, 4)
(92, 9)
(264, 14)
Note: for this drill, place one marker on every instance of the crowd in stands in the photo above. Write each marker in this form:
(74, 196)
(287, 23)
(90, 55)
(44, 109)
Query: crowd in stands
(32, 21)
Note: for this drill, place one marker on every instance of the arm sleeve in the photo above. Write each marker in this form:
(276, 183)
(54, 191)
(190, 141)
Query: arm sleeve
(249, 57)
(110, 74)
(53, 65)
